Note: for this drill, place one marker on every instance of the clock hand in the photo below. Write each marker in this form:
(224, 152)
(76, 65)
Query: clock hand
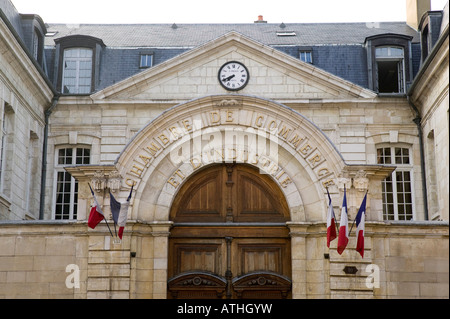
(228, 78)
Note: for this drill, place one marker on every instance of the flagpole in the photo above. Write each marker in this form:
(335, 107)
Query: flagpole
(351, 228)
(355, 218)
(108, 226)
(335, 223)
(115, 230)
(103, 214)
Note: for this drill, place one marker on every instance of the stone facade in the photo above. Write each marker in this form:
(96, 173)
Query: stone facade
(409, 260)
(430, 95)
(151, 131)
(24, 96)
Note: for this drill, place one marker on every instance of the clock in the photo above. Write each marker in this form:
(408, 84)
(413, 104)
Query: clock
(233, 76)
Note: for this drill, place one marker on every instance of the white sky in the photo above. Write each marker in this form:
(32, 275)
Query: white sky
(213, 11)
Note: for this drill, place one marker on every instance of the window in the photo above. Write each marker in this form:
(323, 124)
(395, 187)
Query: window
(397, 189)
(3, 149)
(32, 197)
(36, 44)
(77, 71)
(6, 149)
(146, 60)
(424, 39)
(306, 56)
(66, 194)
(390, 69)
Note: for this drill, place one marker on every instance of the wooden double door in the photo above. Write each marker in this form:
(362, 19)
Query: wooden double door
(229, 238)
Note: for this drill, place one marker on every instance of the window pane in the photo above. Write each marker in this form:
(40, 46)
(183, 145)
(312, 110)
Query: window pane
(65, 156)
(388, 199)
(398, 155)
(380, 157)
(396, 52)
(85, 53)
(384, 155)
(380, 52)
(83, 155)
(405, 156)
(406, 176)
(408, 212)
(75, 201)
(400, 198)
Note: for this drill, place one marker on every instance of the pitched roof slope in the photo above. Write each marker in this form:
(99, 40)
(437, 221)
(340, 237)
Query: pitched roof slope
(192, 35)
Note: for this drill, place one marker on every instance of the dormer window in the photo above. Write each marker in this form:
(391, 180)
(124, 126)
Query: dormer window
(429, 28)
(388, 63)
(78, 66)
(37, 44)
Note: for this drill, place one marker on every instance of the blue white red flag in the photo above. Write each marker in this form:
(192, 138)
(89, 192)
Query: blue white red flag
(120, 212)
(343, 227)
(360, 227)
(96, 214)
(331, 222)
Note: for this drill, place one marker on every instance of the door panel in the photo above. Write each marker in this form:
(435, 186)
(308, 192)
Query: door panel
(201, 198)
(188, 254)
(198, 257)
(259, 258)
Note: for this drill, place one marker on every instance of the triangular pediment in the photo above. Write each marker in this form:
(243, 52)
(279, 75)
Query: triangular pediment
(193, 74)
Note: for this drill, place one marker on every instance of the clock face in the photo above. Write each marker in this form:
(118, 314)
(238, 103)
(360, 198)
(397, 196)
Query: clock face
(233, 76)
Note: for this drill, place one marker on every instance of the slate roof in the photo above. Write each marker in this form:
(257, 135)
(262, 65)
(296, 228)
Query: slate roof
(192, 35)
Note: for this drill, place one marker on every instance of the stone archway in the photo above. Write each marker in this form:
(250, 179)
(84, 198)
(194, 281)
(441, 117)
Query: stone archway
(243, 129)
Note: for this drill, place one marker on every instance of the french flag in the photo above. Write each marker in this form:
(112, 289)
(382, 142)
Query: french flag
(343, 227)
(120, 212)
(360, 227)
(96, 214)
(331, 223)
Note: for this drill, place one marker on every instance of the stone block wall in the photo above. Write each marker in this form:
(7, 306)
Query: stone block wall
(37, 260)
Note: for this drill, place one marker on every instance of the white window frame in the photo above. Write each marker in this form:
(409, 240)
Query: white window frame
(145, 60)
(306, 54)
(395, 193)
(59, 168)
(78, 59)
